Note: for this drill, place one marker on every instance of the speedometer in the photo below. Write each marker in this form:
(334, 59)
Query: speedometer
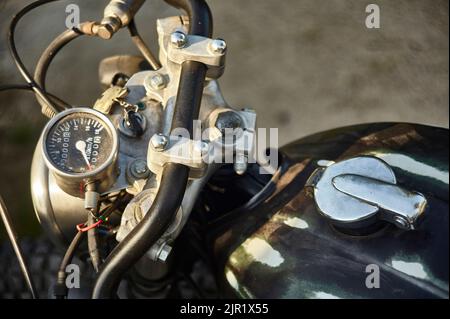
(80, 146)
(79, 143)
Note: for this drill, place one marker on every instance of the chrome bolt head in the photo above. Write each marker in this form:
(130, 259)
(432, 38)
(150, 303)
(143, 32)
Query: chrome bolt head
(178, 39)
(401, 222)
(157, 81)
(218, 46)
(159, 142)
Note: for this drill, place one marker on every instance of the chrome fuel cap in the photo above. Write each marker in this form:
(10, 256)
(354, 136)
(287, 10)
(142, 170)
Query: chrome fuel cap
(360, 191)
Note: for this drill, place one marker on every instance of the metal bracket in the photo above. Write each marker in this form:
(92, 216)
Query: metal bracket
(198, 48)
(232, 136)
(179, 150)
(359, 191)
(173, 52)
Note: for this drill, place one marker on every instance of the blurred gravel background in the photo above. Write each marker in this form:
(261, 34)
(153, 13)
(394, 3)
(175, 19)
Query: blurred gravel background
(304, 65)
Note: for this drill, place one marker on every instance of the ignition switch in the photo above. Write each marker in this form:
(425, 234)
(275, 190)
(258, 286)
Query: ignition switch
(132, 124)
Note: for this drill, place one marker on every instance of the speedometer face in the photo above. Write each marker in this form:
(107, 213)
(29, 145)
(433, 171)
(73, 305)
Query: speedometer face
(79, 143)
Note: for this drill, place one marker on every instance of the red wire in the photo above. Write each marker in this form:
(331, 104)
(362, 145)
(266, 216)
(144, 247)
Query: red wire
(85, 229)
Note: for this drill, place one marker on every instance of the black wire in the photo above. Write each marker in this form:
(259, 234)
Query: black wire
(70, 252)
(26, 87)
(93, 244)
(47, 57)
(38, 85)
(17, 60)
(60, 289)
(12, 235)
(7, 87)
(95, 252)
(145, 234)
(143, 48)
(120, 199)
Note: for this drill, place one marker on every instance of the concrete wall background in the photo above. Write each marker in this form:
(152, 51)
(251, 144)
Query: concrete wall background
(304, 65)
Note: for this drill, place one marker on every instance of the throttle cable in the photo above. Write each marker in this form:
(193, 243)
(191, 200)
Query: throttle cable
(18, 61)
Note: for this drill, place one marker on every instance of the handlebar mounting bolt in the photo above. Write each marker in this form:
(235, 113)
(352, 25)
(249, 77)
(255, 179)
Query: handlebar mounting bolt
(228, 120)
(178, 39)
(401, 222)
(218, 46)
(159, 142)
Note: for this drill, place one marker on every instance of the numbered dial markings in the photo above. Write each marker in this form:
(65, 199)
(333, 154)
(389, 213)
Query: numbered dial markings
(79, 143)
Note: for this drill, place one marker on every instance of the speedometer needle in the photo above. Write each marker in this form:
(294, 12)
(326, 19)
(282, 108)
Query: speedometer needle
(81, 146)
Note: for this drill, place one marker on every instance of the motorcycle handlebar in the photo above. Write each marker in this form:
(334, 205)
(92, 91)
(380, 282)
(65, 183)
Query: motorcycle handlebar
(200, 17)
(174, 176)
